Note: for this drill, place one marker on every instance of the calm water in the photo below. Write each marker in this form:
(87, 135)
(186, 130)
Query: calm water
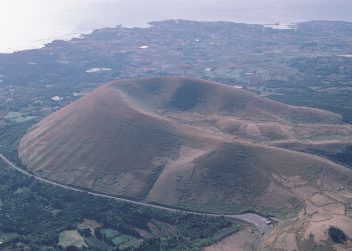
(31, 23)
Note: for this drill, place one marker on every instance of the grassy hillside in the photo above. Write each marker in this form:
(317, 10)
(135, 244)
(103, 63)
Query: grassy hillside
(100, 142)
(206, 97)
(185, 142)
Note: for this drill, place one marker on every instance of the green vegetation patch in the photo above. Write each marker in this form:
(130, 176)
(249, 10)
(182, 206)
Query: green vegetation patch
(119, 240)
(115, 236)
(132, 244)
(96, 244)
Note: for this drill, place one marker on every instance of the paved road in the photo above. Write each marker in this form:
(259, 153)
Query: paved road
(258, 221)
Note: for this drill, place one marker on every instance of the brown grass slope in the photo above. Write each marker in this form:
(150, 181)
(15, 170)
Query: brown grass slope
(206, 97)
(157, 140)
(239, 176)
(102, 143)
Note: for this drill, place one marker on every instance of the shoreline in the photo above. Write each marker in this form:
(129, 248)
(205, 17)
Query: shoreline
(41, 43)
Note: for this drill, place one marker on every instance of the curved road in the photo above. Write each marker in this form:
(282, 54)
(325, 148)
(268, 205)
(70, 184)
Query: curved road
(258, 221)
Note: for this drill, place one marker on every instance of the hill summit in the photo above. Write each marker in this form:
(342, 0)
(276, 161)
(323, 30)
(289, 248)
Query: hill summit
(185, 142)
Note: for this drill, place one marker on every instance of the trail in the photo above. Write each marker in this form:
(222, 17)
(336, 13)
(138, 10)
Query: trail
(258, 221)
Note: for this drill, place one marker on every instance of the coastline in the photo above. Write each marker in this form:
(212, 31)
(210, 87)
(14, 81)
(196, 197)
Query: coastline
(41, 43)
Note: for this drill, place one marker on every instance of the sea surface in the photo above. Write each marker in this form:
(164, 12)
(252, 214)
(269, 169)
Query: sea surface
(26, 24)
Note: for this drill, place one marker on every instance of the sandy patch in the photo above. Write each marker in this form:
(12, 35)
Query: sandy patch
(321, 200)
(310, 208)
(335, 208)
(336, 197)
(346, 194)
(321, 216)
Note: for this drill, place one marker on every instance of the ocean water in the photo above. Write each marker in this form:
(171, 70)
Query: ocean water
(32, 23)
